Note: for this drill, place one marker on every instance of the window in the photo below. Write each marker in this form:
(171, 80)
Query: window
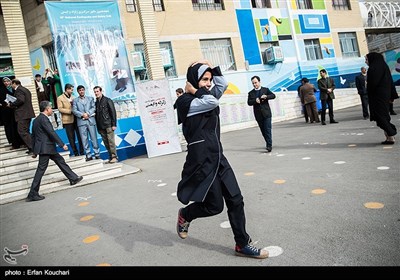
(341, 4)
(131, 6)
(313, 49)
(167, 59)
(201, 5)
(51, 58)
(304, 4)
(349, 45)
(219, 53)
(261, 3)
(158, 5)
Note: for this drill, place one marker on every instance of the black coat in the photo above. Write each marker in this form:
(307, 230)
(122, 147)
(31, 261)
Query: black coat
(106, 115)
(205, 159)
(361, 84)
(44, 137)
(323, 85)
(23, 104)
(261, 110)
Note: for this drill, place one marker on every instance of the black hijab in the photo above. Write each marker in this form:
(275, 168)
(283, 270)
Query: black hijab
(196, 72)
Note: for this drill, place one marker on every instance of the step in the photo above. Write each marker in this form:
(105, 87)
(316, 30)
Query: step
(16, 172)
(13, 153)
(21, 163)
(12, 184)
(108, 173)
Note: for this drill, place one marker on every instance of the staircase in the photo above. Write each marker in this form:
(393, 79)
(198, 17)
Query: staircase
(17, 170)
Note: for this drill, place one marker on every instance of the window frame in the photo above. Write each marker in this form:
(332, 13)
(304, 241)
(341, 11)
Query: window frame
(304, 4)
(349, 40)
(341, 5)
(263, 3)
(315, 46)
(219, 55)
(208, 5)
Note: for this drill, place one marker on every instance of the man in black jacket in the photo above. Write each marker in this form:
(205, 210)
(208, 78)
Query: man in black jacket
(326, 85)
(106, 120)
(361, 84)
(258, 98)
(44, 138)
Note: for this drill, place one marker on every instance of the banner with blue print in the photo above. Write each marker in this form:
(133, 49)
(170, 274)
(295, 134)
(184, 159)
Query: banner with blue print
(90, 47)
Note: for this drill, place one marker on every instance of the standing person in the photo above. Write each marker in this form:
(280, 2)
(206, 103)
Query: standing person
(84, 109)
(178, 92)
(309, 100)
(207, 177)
(64, 104)
(7, 115)
(44, 140)
(303, 107)
(41, 89)
(23, 112)
(361, 84)
(379, 88)
(258, 98)
(106, 120)
(326, 85)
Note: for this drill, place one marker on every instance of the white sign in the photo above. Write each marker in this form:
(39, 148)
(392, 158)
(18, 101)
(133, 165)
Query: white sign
(158, 118)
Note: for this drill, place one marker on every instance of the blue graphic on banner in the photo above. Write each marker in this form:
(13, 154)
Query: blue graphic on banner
(90, 47)
(37, 61)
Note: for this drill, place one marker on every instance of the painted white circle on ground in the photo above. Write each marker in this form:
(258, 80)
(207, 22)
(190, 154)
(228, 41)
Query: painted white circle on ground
(383, 168)
(360, 133)
(387, 147)
(273, 251)
(339, 162)
(280, 155)
(352, 145)
(225, 224)
(162, 185)
(173, 194)
(306, 158)
(323, 143)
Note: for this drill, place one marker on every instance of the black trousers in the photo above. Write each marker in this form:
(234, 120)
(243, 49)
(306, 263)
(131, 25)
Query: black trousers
(23, 131)
(364, 104)
(328, 102)
(213, 204)
(71, 129)
(41, 169)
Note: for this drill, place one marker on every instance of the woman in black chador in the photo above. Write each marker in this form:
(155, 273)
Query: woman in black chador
(379, 88)
(207, 177)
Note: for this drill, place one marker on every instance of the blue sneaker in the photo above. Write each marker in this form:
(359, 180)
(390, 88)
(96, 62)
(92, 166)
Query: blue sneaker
(182, 226)
(250, 251)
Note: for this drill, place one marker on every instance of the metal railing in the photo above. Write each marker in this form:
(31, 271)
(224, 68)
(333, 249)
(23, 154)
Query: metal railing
(382, 15)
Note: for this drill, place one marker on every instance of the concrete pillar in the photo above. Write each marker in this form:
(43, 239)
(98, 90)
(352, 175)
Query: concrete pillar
(155, 68)
(15, 29)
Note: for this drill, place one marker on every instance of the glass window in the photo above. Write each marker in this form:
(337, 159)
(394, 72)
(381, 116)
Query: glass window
(313, 49)
(349, 44)
(130, 6)
(167, 60)
(304, 4)
(49, 50)
(219, 52)
(201, 5)
(261, 3)
(341, 4)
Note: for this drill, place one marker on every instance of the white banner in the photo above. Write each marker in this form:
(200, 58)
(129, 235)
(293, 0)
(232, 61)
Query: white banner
(158, 118)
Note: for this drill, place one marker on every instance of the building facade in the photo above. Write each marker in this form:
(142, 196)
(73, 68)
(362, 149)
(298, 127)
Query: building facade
(280, 41)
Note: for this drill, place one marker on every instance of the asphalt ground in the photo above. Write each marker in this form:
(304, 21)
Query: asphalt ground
(325, 196)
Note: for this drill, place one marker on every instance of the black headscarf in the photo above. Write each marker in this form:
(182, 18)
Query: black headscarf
(196, 72)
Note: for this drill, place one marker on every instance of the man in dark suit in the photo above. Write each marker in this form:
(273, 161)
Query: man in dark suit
(258, 98)
(23, 112)
(361, 84)
(326, 85)
(44, 140)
